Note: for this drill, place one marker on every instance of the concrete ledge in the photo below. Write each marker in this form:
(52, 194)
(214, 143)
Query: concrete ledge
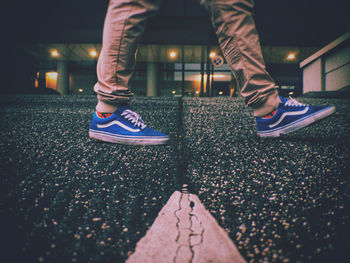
(326, 49)
(327, 69)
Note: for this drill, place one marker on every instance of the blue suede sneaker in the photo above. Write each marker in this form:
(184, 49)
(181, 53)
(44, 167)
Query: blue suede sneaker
(290, 116)
(124, 126)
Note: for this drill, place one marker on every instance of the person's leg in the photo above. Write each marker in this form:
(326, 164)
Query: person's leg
(113, 120)
(238, 38)
(123, 28)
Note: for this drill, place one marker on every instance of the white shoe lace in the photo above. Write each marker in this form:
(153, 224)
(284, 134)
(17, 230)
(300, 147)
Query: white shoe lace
(134, 118)
(294, 103)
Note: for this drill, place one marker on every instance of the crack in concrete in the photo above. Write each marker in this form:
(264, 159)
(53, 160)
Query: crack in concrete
(193, 231)
(184, 232)
(177, 227)
(200, 227)
(188, 230)
(201, 233)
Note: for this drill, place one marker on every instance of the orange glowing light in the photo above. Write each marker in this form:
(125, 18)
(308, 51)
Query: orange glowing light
(51, 80)
(93, 53)
(291, 56)
(54, 53)
(172, 54)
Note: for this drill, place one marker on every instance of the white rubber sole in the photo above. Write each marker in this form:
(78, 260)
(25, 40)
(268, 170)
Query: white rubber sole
(294, 126)
(120, 139)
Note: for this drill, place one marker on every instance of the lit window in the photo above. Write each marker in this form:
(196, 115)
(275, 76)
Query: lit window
(51, 80)
(51, 74)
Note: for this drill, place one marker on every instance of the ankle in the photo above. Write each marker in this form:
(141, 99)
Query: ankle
(103, 115)
(269, 105)
(269, 115)
(105, 107)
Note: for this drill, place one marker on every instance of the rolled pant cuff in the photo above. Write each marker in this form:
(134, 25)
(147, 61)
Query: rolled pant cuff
(105, 107)
(270, 105)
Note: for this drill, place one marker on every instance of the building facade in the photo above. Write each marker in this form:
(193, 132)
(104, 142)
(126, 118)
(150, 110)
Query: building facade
(161, 70)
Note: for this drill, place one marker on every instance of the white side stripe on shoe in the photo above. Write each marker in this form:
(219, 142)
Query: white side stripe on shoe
(119, 124)
(288, 114)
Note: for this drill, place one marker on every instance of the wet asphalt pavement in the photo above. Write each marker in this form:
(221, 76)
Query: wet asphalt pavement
(66, 198)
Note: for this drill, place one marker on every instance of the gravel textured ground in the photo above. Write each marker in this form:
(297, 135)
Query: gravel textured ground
(66, 198)
(281, 200)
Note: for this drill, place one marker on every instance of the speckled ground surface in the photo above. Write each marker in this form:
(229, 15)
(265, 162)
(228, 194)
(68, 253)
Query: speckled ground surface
(66, 198)
(281, 200)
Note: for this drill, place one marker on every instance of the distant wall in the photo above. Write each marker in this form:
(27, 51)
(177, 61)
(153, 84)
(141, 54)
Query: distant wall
(337, 69)
(82, 83)
(329, 68)
(312, 77)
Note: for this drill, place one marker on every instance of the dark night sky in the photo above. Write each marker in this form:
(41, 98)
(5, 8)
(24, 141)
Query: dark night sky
(312, 22)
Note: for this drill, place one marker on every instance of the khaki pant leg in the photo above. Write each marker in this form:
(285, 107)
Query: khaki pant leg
(123, 28)
(235, 28)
